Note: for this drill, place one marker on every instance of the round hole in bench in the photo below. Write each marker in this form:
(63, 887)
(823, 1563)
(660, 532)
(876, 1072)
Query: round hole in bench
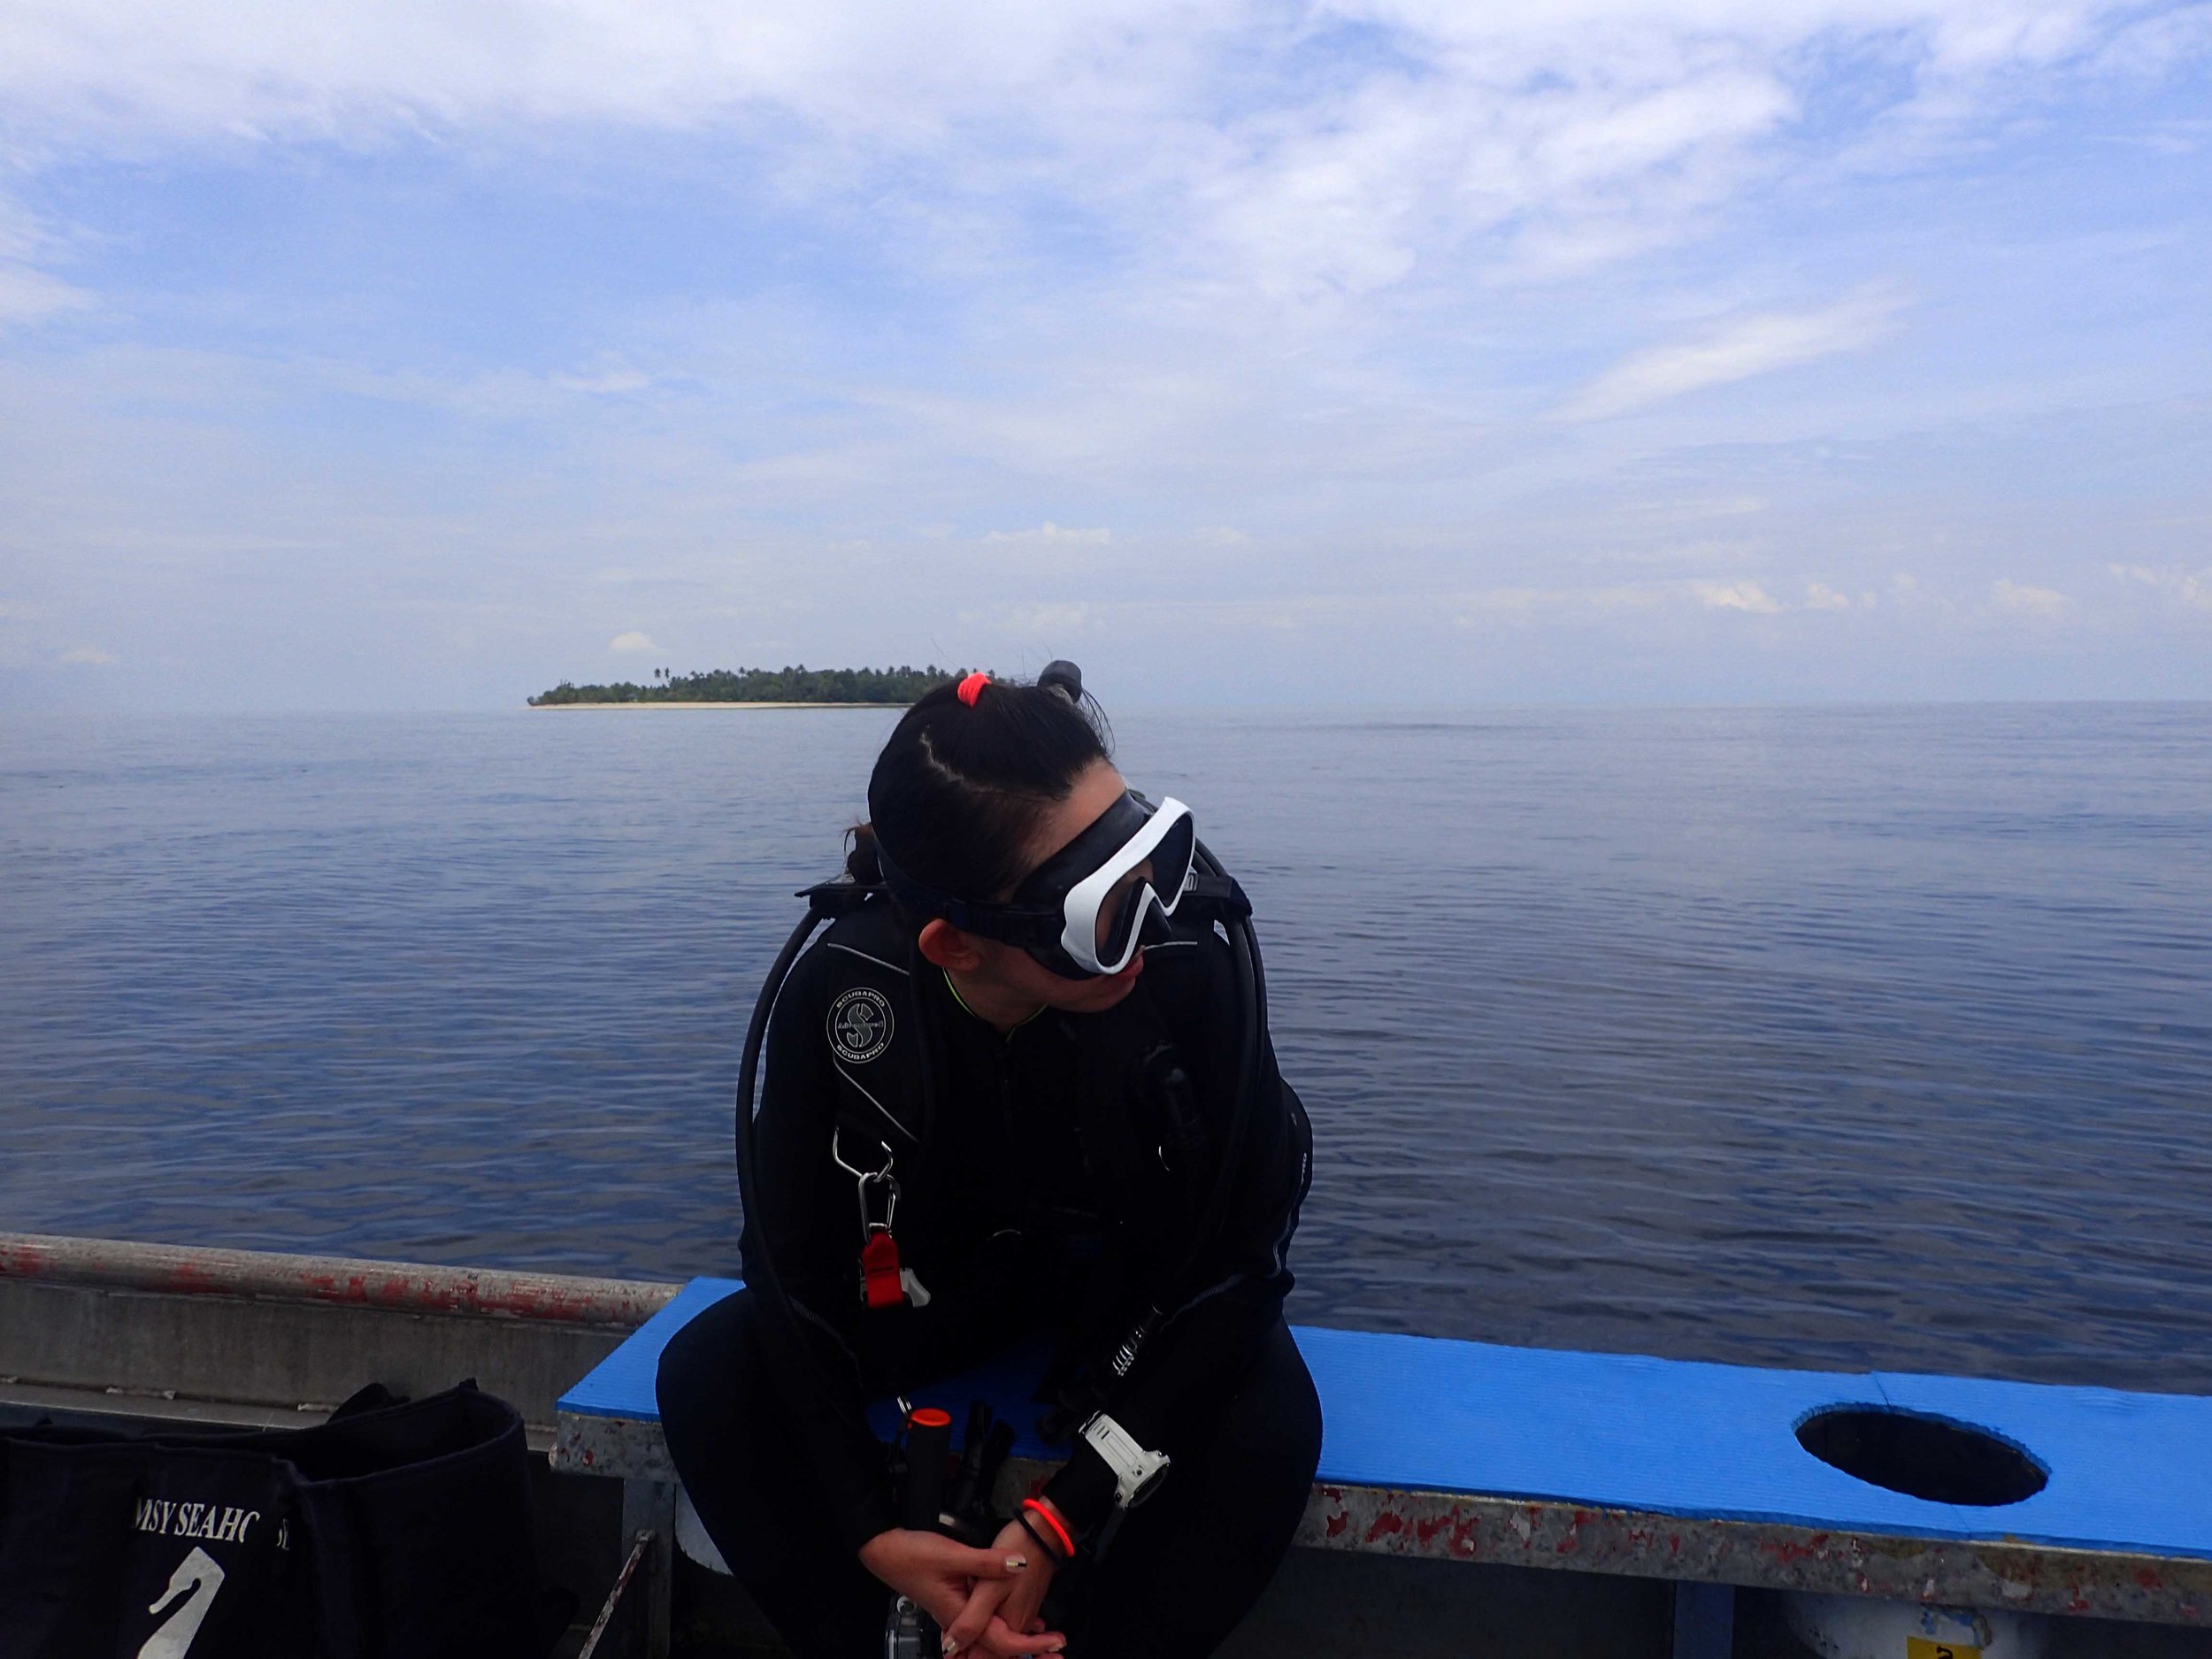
(1922, 1456)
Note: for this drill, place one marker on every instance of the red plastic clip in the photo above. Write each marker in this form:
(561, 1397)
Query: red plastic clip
(879, 1284)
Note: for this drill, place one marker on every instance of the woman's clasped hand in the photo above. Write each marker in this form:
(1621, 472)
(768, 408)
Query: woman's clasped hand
(984, 1600)
(1002, 1614)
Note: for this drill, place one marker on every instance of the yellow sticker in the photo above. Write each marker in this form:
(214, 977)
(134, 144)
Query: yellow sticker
(1925, 1647)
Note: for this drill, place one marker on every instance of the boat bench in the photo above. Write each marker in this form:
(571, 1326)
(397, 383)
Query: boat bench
(1703, 1474)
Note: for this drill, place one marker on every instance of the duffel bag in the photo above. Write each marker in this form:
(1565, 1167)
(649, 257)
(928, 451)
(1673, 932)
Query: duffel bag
(397, 1530)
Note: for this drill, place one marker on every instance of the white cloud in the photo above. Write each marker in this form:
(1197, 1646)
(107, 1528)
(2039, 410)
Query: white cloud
(2160, 44)
(86, 656)
(2015, 599)
(1236, 264)
(1575, 134)
(1747, 347)
(1521, 605)
(1737, 596)
(1045, 618)
(1050, 534)
(606, 382)
(2191, 587)
(28, 295)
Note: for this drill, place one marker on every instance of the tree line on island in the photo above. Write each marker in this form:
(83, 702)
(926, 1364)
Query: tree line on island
(760, 685)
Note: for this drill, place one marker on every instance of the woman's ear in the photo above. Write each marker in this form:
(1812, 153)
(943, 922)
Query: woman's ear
(948, 946)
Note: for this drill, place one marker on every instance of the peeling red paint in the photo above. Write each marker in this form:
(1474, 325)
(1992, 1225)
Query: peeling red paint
(181, 1270)
(1384, 1525)
(22, 1259)
(1337, 1522)
(1790, 1551)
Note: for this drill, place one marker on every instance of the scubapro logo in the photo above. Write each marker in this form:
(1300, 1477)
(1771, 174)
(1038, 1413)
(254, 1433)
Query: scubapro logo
(860, 1025)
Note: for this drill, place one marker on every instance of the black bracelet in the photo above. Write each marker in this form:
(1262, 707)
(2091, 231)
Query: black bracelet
(1052, 1551)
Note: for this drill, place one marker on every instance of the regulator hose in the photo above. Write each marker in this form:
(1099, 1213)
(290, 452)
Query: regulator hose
(760, 1269)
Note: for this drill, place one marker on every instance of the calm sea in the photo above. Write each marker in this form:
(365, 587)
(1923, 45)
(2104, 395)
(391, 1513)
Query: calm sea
(1813, 1037)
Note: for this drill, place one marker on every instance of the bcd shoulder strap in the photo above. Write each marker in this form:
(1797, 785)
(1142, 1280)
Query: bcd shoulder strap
(871, 1029)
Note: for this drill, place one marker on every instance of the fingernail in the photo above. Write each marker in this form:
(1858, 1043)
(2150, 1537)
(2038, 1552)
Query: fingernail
(948, 1644)
(1015, 1563)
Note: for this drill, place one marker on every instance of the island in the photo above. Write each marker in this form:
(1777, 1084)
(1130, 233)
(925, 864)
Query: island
(863, 688)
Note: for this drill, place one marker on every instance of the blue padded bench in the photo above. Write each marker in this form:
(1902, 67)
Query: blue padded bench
(1619, 1464)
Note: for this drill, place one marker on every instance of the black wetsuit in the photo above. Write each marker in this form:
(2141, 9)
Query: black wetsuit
(1051, 1179)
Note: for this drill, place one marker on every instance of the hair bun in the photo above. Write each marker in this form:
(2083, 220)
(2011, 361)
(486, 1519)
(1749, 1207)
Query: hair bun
(1064, 677)
(861, 863)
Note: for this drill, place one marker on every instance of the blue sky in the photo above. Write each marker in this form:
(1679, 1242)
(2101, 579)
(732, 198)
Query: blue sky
(420, 356)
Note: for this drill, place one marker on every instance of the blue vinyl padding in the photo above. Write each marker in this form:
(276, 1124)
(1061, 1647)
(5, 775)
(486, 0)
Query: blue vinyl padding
(2128, 1472)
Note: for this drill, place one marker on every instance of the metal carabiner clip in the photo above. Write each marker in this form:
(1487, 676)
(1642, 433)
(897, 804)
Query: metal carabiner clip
(864, 1179)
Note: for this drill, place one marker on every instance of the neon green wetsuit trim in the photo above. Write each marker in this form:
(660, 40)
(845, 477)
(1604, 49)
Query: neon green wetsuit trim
(962, 1001)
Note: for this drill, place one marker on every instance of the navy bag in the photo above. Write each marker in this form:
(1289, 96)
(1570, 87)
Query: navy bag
(393, 1531)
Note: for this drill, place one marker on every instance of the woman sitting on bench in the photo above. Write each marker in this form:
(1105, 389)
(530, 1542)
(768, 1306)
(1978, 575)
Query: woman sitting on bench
(1022, 1088)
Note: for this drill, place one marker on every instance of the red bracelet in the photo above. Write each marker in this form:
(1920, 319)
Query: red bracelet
(1037, 1507)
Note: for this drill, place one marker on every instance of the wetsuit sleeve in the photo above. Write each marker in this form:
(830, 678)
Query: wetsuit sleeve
(811, 1220)
(1185, 1372)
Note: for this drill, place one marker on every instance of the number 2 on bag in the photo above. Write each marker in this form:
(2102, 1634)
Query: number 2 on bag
(197, 1573)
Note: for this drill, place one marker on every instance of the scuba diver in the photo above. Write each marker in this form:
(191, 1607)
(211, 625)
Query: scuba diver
(1021, 1087)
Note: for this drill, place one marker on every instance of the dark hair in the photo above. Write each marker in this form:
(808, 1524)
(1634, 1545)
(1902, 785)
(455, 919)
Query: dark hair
(957, 792)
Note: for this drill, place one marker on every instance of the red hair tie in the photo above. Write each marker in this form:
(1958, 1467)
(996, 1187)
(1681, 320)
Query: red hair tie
(972, 687)
(1032, 1507)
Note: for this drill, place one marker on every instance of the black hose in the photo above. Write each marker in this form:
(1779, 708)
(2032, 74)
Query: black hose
(761, 1270)
(1244, 955)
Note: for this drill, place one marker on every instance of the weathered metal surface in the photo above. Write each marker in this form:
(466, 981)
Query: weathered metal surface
(391, 1287)
(619, 1449)
(24, 1403)
(280, 1354)
(159, 1325)
(1994, 1572)
(641, 1545)
(30, 1402)
(648, 1509)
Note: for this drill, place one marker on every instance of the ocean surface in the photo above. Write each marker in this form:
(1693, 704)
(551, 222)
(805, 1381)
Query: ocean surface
(1827, 1037)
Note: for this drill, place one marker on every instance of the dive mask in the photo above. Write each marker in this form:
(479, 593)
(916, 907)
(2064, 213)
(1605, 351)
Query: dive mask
(1088, 908)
